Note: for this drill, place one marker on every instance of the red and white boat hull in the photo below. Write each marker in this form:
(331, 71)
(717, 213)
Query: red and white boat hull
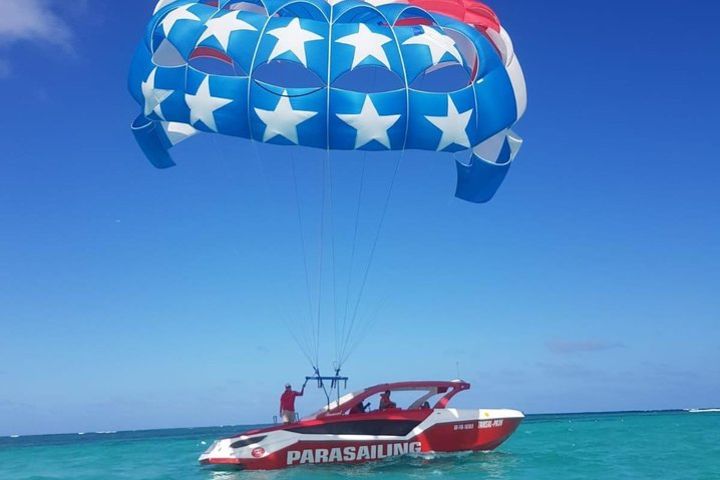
(365, 437)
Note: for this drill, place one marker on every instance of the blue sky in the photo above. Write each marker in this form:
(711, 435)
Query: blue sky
(137, 298)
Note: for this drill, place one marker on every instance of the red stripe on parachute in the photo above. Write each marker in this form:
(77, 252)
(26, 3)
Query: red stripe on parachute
(472, 12)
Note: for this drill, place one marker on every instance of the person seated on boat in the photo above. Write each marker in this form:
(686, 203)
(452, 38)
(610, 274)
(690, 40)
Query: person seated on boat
(425, 405)
(385, 402)
(287, 402)
(359, 407)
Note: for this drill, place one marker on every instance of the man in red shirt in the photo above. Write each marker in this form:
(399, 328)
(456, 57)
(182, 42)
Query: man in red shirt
(287, 403)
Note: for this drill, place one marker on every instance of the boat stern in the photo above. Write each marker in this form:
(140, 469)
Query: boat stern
(496, 425)
(452, 430)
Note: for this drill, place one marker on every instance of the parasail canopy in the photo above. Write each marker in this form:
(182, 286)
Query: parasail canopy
(434, 75)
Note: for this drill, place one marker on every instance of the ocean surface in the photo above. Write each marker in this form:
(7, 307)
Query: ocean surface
(650, 445)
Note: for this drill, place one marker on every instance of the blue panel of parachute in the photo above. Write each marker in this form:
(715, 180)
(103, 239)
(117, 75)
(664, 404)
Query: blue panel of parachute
(346, 76)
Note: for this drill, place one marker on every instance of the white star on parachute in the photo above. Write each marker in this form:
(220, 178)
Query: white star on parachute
(177, 131)
(154, 96)
(452, 126)
(283, 121)
(438, 43)
(292, 38)
(370, 125)
(182, 13)
(367, 44)
(222, 27)
(203, 105)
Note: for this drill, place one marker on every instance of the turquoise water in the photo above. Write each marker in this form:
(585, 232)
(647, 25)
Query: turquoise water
(662, 445)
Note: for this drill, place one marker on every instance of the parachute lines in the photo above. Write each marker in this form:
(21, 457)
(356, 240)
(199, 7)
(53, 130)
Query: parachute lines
(313, 343)
(344, 351)
(352, 259)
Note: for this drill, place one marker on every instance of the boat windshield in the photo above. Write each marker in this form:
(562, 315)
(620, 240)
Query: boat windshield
(402, 396)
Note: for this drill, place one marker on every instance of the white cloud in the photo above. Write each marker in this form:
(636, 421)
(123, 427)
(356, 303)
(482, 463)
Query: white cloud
(31, 21)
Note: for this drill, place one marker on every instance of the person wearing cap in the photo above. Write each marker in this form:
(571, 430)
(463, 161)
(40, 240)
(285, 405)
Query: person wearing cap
(287, 403)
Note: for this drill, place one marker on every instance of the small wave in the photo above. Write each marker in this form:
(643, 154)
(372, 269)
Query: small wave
(14, 436)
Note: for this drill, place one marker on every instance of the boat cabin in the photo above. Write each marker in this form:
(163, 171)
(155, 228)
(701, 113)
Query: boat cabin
(430, 395)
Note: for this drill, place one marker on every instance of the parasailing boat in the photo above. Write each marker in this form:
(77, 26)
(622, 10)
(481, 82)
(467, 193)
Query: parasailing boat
(342, 433)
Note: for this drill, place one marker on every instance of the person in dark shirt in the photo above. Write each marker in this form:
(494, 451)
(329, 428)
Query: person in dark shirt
(385, 402)
(359, 407)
